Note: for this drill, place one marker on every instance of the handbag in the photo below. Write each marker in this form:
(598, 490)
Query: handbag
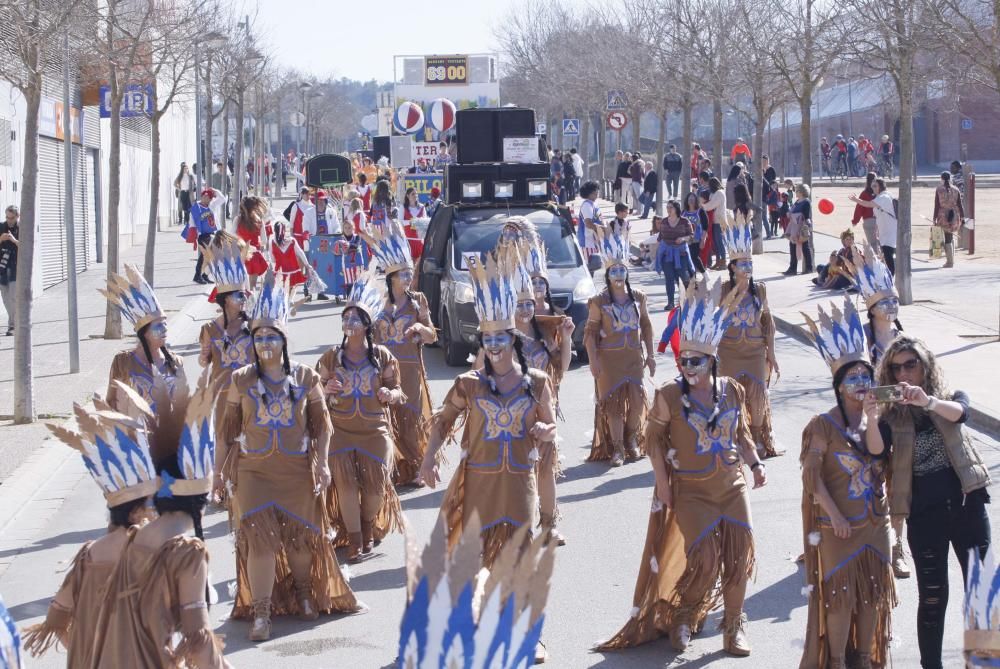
(191, 234)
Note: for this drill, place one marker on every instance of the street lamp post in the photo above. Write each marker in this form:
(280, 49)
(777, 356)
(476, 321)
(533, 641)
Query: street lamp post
(208, 43)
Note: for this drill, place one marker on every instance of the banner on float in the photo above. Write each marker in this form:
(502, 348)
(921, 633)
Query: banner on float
(422, 184)
(426, 151)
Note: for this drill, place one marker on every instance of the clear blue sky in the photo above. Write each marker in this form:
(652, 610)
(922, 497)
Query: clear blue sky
(347, 42)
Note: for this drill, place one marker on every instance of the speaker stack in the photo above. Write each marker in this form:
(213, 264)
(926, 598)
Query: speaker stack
(481, 132)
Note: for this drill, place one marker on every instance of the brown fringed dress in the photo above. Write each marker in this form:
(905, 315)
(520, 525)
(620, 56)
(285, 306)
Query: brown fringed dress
(496, 475)
(704, 544)
(227, 354)
(132, 370)
(410, 420)
(545, 354)
(853, 574)
(272, 433)
(620, 330)
(743, 357)
(141, 611)
(362, 455)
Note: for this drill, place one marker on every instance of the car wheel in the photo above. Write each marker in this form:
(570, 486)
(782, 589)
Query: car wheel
(454, 353)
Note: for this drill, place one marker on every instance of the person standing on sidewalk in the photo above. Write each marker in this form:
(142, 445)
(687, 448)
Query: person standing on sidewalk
(636, 171)
(184, 187)
(222, 183)
(949, 213)
(274, 459)
(673, 163)
(866, 214)
(139, 368)
(800, 233)
(100, 436)
(698, 219)
(716, 209)
(937, 481)
(203, 220)
(746, 350)
(845, 515)
(699, 549)
(9, 232)
(673, 257)
(361, 380)
(578, 169)
(885, 221)
(650, 183)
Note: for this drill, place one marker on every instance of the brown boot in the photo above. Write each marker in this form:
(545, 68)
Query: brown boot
(632, 451)
(900, 568)
(734, 634)
(837, 663)
(260, 629)
(303, 595)
(864, 661)
(552, 532)
(367, 536)
(354, 547)
(618, 457)
(949, 254)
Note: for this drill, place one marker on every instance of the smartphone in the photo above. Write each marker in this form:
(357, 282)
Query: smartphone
(887, 393)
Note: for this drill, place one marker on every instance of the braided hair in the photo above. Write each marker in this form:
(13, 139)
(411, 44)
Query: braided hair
(192, 505)
(220, 299)
(370, 344)
(286, 364)
(628, 289)
(168, 357)
(121, 514)
(522, 361)
(388, 292)
(838, 378)
(753, 286)
(686, 389)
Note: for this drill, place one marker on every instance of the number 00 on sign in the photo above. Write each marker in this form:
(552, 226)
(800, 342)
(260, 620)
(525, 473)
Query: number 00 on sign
(617, 120)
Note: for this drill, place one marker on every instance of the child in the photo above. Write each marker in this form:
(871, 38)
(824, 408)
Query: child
(357, 214)
(620, 221)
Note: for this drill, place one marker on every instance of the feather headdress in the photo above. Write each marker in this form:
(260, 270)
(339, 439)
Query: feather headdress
(366, 293)
(10, 640)
(224, 261)
(705, 316)
(839, 335)
(447, 623)
(270, 304)
(612, 246)
(982, 611)
(737, 237)
(133, 297)
(389, 245)
(493, 289)
(519, 231)
(872, 276)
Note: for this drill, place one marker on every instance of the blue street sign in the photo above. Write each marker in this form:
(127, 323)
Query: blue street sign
(137, 101)
(617, 101)
(966, 124)
(571, 127)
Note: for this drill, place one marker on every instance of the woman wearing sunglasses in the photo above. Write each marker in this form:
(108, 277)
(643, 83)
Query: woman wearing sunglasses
(274, 460)
(938, 481)
(151, 357)
(699, 543)
(845, 514)
(746, 352)
(361, 381)
(617, 329)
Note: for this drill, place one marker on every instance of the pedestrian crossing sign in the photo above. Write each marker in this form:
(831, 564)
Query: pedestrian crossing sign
(617, 101)
(571, 126)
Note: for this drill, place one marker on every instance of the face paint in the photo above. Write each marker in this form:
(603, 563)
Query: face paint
(268, 345)
(403, 277)
(857, 384)
(693, 366)
(618, 274)
(497, 344)
(744, 266)
(158, 330)
(352, 323)
(539, 286)
(525, 310)
(510, 233)
(887, 308)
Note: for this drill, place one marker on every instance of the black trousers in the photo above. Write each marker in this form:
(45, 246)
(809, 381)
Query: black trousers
(963, 527)
(185, 207)
(673, 184)
(889, 254)
(203, 241)
(793, 264)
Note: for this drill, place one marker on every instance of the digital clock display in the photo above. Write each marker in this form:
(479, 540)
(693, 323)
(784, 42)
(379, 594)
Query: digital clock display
(446, 70)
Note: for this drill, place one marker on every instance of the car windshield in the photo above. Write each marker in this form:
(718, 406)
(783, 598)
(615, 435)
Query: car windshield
(477, 230)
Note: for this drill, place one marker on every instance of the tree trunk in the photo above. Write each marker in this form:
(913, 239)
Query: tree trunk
(585, 145)
(688, 131)
(904, 241)
(602, 141)
(658, 165)
(234, 206)
(805, 136)
(758, 182)
(636, 131)
(239, 167)
(24, 377)
(149, 263)
(113, 317)
(717, 159)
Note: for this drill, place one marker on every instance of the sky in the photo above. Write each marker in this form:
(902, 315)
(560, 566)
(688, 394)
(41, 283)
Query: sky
(348, 44)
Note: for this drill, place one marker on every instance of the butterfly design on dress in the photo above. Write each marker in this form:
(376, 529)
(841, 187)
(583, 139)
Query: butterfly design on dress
(275, 409)
(357, 383)
(862, 472)
(718, 440)
(394, 330)
(236, 354)
(536, 353)
(143, 384)
(504, 421)
(624, 317)
(745, 316)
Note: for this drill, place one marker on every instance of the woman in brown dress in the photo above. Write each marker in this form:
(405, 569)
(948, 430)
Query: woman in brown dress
(746, 352)
(617, 329)
(361, 380)
(72, 618)
(403, 325)
(845, 514)
(138, 368)
(277, 432)
(949, 213)
(699, 529)
(155, 612)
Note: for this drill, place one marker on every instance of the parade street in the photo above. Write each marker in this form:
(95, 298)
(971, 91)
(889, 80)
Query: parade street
(604, 519)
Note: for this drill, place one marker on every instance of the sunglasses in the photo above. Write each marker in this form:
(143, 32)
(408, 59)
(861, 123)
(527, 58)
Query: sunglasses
(694, 361)
(909, 365)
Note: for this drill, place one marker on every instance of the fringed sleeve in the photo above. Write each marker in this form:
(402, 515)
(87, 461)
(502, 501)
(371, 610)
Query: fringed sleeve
(187, 561)
(40, 638)
(390, 370)
(445, 423)
(199, 647)
(743, 434)
(658, 427)
(424, 316)
(766, 321)
(814, 447)
(594, 318)
(317, 415)
(645, 327)
(232, 428)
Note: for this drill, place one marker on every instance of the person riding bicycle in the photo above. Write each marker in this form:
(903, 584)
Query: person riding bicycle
(824, 151)
(864, 147)
(886, 150)
(839, 152)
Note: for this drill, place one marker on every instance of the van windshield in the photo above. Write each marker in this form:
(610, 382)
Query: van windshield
(477, 230)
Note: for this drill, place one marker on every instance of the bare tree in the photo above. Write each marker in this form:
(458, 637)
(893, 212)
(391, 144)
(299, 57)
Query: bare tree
(31, 45)
(967, 30)
(812, 35)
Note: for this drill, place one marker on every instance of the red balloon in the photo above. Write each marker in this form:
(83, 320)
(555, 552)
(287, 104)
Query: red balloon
(825, 206)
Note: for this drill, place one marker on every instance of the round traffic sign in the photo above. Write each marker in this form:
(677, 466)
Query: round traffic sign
(297, 119)
(617, 120)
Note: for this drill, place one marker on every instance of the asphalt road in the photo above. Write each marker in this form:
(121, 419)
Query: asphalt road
(604, 520)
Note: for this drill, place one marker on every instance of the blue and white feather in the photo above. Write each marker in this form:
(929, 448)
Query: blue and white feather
(705, 316)
(493, 287)
(389, 246)
(134, 297)
(839, 335)
(872, 276)
(737, 236)
(613, 247)
(10, 641)
(270, 304)
(982, 610)
(366, 293)
(224, 261)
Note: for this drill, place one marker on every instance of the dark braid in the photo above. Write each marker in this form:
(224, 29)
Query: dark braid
(388, 286)
(488, 368)
(686, 389)
(285, 364)
(753, 286)
(192, 505)
(536, 331)
(168, 359)
(628, 289)
(838, 378)
(519, 350)
(120, 514)
(220, 299)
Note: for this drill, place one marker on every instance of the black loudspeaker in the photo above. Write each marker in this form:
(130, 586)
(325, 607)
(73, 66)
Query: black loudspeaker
(514, 122)
(328, 169)
(380, 146)
(520, 174)
(476, 132)
(456, 174)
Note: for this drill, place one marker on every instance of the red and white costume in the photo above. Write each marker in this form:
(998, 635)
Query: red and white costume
(303, 221)
(289, 259)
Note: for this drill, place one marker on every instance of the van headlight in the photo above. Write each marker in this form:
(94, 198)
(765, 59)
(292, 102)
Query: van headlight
(464, 293)
(585, 289)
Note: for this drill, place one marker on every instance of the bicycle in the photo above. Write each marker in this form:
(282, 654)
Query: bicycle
(840, 170)
(825, 166)
(885, 167)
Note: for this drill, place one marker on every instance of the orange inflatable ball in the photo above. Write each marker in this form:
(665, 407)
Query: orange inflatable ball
(825, 206)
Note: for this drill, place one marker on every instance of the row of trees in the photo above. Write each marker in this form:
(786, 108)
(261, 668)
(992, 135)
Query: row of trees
(689, 55)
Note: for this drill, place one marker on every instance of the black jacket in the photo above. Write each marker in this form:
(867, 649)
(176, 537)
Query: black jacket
(672, 162)
(8, 249)
(649, 183)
